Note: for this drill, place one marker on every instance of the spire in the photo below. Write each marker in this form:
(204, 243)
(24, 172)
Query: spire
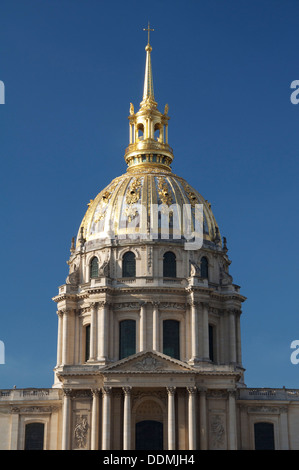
(148, 89)
(148, 126)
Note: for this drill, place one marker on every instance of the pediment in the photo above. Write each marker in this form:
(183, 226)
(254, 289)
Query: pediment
(148, 362)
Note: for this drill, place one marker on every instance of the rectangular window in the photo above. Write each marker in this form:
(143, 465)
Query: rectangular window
(211, 343)
(127, 338)
(87, 342)
(171, 338)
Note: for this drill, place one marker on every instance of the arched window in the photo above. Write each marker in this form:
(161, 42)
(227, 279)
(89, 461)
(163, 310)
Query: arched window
(129, 265)
(87, 342)
(94, 268)
(264, 436)
(34, 436)
(171, 338)
(169, 264)
(204, 267)
(127, 338)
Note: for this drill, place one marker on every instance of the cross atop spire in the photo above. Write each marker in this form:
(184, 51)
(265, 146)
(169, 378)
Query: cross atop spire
(148, 90)
(148, 29)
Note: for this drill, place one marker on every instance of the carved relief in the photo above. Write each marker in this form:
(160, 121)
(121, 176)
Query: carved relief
(81, 432)
(217, 431)
(148, 364)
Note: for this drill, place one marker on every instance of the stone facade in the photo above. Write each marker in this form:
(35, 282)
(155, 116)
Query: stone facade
(149, 341)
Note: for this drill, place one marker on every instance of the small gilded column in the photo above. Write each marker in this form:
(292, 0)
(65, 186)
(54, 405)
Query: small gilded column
(127, 418)
(95, 419)
(192, 417)
(171, 418)
(106, 418)
(66, 419)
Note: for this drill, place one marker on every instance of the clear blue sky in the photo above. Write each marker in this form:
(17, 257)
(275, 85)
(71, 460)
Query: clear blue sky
(71, 69)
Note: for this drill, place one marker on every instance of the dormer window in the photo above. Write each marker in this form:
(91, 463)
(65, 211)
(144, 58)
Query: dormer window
(204, 268)
(94, 268)
(129, 265)
(169, 264)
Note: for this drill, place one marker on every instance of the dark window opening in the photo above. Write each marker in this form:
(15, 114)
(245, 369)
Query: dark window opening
(87, 342)
(127, 338)
(129, 265)
(34, 436)
(94, 268)
(169, 264)
(264, 436)
(211, 343)
(171, 338)
(149, 435)
(204, 268)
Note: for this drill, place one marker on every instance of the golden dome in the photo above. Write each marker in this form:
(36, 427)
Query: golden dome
(122, 210)
(136, 204)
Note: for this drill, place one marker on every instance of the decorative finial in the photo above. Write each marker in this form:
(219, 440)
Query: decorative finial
(148, 29)
(72, 250)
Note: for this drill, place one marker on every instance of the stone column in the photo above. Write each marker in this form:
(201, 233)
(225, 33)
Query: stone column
(192, 417)
(66, 419)
(65, 331)
(194, 331)
(171, 418)
(203, 432)
(142, 334)
(205, 330)
(127, 418)
(95, 420)
(155, 326)
(238, 341)
(284, 428)
(93, 331)
(232, 420)
(59, 338)
(14, 428)
(103, 331)
(106, 418)
(232, 336)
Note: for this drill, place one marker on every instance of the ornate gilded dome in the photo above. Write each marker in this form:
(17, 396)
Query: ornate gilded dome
(136, 204)
(122, 210)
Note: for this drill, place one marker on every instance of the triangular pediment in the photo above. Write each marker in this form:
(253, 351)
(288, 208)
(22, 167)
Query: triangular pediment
(148, 362)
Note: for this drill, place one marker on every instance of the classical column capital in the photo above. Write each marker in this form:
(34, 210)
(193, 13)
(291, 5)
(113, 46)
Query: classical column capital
(192, 390)
(127, 390)
(171, 390)
(67, 392)
(106, 390)
(93, 304)
(95, 392)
